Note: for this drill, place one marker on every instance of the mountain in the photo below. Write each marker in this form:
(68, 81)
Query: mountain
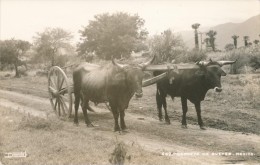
(250, 27)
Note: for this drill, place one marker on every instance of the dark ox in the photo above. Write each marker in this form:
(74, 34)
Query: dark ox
(114, 83)
(192, 85)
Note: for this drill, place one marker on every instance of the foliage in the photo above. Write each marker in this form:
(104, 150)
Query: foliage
(246, 39)
(229, 47)
(11, 52)
(235, 37)
(195, 55)
(51, 43)
(255, 57)
(113, 35)
(247, 56)
(212, 39)
(167, 47)
(256, 42)
(118, 156)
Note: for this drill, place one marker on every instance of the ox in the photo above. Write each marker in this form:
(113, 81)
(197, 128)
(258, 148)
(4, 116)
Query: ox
(192, 85)
(113, 83)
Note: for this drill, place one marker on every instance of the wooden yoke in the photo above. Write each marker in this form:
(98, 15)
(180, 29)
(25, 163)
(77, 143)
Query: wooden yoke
(170, 71)
(165, 67)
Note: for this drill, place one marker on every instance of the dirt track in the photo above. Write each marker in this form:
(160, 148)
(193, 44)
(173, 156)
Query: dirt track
(188, 141)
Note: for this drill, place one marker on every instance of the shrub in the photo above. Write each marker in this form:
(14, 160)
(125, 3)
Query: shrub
(195, 55)
(167, 46)
(119, 154)
(36, 123)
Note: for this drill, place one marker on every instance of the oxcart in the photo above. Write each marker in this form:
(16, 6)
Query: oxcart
(61, 90)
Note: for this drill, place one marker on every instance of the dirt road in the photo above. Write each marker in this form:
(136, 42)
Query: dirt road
(192, 145)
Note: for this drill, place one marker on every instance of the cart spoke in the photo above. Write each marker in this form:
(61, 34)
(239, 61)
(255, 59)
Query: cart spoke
(59, 107)
(64, 98)
(58, 81)
(52, 83)
(60, 85)
(62, 107)
(52, 90)
(63, 91)
(55, 105)
(55, 75)
(65, 105)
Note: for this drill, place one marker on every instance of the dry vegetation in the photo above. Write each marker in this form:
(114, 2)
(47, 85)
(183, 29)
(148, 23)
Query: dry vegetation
(51, 141)
(54, 141)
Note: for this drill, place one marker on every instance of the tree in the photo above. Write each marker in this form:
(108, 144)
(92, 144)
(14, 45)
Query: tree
(11, 52)
(212, 39)
(51, 42)
(256, 42)
(166, 46)
(229, 47)
(246, 39)
(235, 37)
(195, 27)
(113, 35)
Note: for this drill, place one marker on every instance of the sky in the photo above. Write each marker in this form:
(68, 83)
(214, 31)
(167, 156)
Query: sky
(22, 19)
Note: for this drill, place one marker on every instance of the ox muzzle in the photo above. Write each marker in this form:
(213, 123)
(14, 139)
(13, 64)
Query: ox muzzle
(217, 89)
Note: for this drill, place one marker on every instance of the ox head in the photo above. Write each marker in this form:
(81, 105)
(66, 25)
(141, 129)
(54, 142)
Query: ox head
(134, 75)
(211, 72)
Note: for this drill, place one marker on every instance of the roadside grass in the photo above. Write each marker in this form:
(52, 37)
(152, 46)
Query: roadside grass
(51, 141)
(36, 123)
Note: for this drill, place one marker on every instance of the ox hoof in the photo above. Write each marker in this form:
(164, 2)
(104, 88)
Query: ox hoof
(125, 130)
(91, 125)
(202, 127)
(76, 124)
(167, 121)
(117, 130)
(184, 126)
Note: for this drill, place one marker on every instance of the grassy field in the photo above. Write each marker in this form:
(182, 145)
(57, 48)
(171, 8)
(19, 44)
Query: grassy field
(53, 141)
(236, 108)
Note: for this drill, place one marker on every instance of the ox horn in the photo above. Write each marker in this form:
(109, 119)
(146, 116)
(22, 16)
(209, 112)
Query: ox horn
(117, 64)
(221, 63)
(143, 65)
(204, 63)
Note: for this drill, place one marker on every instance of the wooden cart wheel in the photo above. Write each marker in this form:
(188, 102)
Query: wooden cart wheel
(60, 92)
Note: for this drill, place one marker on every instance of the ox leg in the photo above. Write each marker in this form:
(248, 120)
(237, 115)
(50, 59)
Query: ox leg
(198, 110)
(159, 104)
(122, 120)
(184, 111)
(167, 120)
(116, 115)
(76, 106)
(84, 109)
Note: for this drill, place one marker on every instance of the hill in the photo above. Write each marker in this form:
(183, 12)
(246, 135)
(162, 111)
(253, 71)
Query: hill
(250, 27)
